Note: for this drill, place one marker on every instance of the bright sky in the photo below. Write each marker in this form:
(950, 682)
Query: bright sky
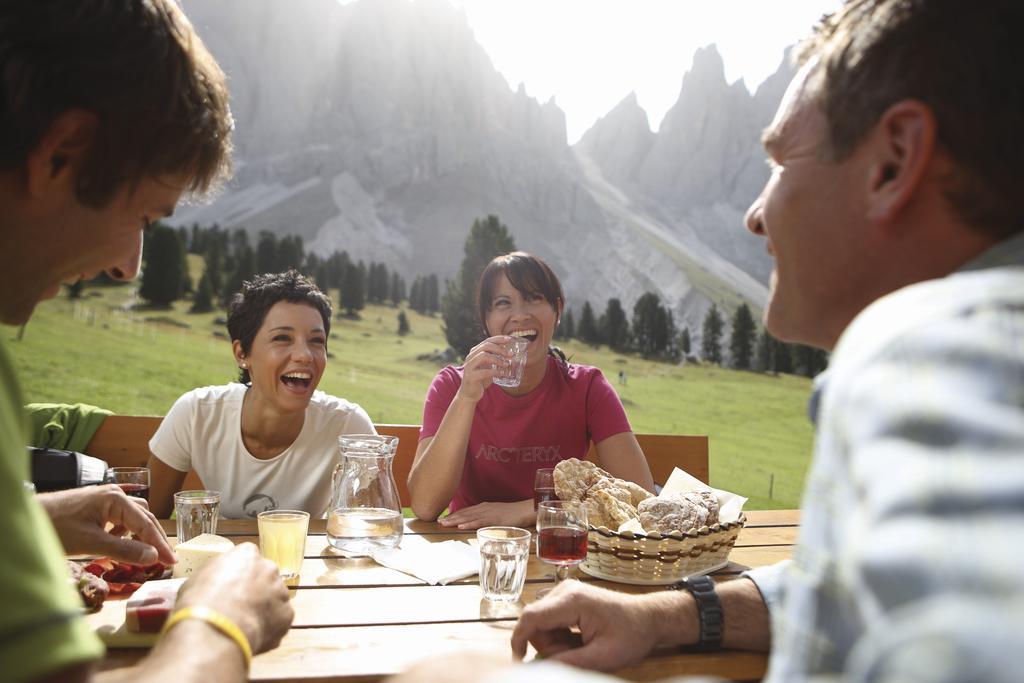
(589, 54)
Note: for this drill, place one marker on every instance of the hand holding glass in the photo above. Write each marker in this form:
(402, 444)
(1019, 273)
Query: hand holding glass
(511, 375)
(561, 535)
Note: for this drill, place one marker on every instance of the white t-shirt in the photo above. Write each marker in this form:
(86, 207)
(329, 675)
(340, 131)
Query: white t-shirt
(203, 431)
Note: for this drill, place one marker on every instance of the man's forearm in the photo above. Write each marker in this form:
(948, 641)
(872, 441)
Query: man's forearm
(746, 621)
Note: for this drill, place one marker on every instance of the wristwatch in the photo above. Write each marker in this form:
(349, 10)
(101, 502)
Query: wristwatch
(709, 610)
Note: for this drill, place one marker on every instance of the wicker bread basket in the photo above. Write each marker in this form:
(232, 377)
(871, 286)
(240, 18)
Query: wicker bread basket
(656, 559)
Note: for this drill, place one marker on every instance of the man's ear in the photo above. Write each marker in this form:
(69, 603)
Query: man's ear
(58, 156)
(902, 147)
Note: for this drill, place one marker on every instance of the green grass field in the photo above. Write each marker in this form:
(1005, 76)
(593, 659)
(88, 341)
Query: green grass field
(134, 361)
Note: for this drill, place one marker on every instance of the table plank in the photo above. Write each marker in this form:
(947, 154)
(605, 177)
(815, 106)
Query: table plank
(247, 527)
(357, 654)
(317, 545)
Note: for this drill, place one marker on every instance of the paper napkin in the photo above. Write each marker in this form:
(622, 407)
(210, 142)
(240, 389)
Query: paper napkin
(435, 563)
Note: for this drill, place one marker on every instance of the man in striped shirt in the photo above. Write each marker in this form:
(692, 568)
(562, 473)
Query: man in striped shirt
(895, 218)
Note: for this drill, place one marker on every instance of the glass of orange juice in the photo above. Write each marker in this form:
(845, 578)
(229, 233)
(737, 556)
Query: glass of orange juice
(283, 539)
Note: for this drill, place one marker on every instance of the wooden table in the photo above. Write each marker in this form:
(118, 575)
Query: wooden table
(358, 621)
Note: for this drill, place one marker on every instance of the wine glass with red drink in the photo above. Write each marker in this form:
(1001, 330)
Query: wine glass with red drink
(543, 486)
(561, 536)
(134, 481)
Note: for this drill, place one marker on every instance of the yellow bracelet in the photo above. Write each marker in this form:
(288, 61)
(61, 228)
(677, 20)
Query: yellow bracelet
(215, 619)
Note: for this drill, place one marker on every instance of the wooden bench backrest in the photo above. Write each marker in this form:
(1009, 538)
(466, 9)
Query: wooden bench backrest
(123, 441)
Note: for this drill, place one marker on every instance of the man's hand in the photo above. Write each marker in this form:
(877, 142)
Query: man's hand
(81, 515)
(246, 588)
(492, 514)
(616, 629)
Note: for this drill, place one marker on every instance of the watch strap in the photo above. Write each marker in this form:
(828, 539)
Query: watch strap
(709, 610)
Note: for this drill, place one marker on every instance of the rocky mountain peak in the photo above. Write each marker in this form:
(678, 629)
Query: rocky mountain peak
(619, 141)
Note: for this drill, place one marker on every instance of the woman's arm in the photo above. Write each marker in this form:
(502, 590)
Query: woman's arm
(621, 456)
(164, 482)
(437, 468)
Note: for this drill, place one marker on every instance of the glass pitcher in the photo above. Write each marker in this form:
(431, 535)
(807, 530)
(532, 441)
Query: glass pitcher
(365, 513)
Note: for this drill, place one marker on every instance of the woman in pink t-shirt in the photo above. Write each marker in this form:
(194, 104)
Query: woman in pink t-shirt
(481, 443)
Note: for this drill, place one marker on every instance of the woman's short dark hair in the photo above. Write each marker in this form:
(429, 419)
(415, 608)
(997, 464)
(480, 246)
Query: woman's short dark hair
(248, 307)
(527, 273)
(160, 99)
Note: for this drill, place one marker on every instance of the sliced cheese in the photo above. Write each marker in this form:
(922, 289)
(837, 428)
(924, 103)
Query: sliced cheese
(196, 553)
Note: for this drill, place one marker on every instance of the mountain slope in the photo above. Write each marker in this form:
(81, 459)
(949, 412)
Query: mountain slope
(382, 128)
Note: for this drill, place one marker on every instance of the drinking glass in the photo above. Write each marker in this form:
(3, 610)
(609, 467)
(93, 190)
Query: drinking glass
(283, 539)
(512, 374)
(134, 481)
(561, 536)
(504, 553)
(543, 486)
(197, 513)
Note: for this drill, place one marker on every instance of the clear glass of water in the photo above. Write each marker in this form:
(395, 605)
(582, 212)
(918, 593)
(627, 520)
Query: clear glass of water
(504, 552)
(196, 512)
(511, 375)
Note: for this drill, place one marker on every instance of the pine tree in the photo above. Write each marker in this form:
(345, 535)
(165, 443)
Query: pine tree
(615, 326)
(711, 343)
(214, 263)
(744, 333)
(672, 351)
(568, 325)
(203, 301)
(353, 292)
(416, 295)
(397, 290)
(783, 358)
(808, 361)
(239, 244)
(764, 357)
(266, 253)
(431, 295)
(197, 243)
(650, 325)
(290, 253)
(338, 264)
(487, 238)
(684, 341)
(245, 269)
(587, 330)
(165, 267)
(403, 324)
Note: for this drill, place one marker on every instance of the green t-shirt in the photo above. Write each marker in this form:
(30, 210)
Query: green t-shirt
(41, 627)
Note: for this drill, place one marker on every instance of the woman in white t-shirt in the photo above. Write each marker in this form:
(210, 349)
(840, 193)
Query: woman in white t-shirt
(270, 441)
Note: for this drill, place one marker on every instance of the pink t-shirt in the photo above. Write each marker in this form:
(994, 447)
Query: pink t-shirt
(514, 436)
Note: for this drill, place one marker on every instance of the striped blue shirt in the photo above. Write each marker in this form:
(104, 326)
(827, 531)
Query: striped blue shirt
(910, 562)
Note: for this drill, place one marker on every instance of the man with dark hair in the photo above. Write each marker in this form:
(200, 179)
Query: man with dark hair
(109, 111)
(893, 213)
